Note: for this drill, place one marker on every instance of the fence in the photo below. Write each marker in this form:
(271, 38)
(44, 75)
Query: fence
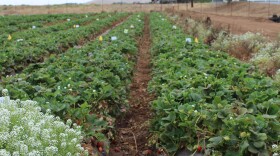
(263, 8)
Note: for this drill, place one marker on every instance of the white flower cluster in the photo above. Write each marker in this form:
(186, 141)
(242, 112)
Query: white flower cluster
(275, 150)
(24, 130)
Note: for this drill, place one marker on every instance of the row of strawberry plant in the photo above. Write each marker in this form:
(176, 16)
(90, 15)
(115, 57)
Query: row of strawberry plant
(17, 56)
(208, 101)
(87, 84)
(49, 30)
(11, 24)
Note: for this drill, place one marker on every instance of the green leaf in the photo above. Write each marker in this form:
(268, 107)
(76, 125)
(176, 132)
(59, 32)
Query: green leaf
(262, 136)
(242, 111)
(269, 116)
(253, 150)
(259, 144)
(217, 100)
(216, 140)
(244, 145)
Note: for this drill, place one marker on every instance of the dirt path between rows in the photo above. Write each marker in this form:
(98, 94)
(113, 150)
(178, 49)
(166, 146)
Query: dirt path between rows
(133, 128)
(240, 25)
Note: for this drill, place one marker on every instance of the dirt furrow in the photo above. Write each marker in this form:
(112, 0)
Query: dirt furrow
(133, 128)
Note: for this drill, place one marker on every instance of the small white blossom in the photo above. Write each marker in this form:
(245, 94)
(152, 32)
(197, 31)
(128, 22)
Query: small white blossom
(274, 146)
(3, 152)
(68, 154)
(33, 131)
(63, 144)
(5, 92)
(51, 150)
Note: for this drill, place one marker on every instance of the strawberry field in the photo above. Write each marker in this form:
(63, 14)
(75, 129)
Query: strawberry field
(128, 84)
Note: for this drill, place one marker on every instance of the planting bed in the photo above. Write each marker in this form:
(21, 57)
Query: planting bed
(135, 84)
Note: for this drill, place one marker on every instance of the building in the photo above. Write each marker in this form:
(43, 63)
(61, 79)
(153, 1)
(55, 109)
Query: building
(169, 1)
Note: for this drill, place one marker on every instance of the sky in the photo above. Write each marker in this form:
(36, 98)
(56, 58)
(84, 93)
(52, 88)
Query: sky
(39, 2)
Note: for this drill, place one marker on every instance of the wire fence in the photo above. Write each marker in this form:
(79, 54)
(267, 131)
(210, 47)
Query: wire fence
(265, 8)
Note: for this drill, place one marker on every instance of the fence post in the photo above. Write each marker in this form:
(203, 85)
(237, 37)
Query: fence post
(200, 6)
(216, 6)
(268, 9)
(249, 8)
(231, 8)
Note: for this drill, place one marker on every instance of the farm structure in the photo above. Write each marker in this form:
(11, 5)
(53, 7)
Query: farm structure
(169, 1)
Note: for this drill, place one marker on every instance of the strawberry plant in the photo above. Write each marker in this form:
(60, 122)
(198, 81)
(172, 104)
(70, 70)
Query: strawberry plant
(209, 99)
(87, 84)
(10, 24)
(16, 55)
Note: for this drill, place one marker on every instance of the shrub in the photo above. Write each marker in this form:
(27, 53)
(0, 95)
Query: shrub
(25, 130)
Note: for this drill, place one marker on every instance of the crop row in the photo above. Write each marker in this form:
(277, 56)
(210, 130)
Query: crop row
(208, 100)
(15, 57)
(41, 32)
(86, 84)
(11, 24)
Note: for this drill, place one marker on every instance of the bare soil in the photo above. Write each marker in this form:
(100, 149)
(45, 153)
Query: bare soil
(237, 24)
(133, 128)
(239, 17)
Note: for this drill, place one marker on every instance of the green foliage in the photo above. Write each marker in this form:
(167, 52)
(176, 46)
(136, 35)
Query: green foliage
(37, 43)
(87, 84)
(11, 24)
(209, 96)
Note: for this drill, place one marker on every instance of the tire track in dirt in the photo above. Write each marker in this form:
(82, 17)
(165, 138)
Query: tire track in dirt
(133, 128)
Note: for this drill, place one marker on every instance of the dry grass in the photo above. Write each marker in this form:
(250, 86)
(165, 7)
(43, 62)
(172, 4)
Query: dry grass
(57, 9)
(234, 9)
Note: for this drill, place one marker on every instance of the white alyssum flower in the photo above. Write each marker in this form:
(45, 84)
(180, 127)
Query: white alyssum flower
(274, 146)
(25, 130)
(275, 154)
(16, 153)
(63, 144)
(34, 153)
(51, 150)
(3, 152)
(68, 154)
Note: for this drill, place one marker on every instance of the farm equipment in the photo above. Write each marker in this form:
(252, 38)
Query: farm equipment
(275, 18)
